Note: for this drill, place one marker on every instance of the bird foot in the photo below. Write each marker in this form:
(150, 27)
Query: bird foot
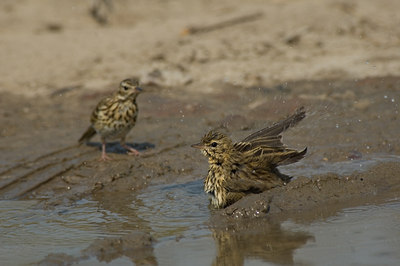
(104, 157)
(131, 151)
(134, 153)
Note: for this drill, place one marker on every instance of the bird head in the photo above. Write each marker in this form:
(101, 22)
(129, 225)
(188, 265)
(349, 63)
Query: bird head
(215, 145)
(129, 88)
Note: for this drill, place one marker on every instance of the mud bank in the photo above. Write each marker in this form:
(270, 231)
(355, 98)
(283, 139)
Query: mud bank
(321, 196)
(347, 121)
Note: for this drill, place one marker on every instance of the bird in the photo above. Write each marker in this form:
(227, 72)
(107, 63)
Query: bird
(248, 166)
(114, 117)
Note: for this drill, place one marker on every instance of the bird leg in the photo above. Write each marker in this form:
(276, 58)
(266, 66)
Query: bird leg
(104, 156)
(131, 151)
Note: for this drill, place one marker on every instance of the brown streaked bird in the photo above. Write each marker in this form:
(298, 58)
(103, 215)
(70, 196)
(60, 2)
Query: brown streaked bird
(248, 166)
(115, 116)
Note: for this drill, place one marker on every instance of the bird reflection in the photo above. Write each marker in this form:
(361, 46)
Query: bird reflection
(258, 238)
(137, 245)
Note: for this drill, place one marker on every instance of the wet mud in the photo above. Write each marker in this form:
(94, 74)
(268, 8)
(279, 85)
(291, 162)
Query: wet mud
(351, 131)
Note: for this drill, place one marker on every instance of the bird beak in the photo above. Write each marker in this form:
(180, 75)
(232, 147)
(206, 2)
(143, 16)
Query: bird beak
(139, 89)
(197, 146)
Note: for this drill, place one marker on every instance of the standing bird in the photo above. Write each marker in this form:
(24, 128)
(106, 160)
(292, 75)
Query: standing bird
(249, 166)
(114, 117)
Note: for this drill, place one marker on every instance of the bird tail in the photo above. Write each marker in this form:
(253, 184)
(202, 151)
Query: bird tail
(288, 157)
(89, 133)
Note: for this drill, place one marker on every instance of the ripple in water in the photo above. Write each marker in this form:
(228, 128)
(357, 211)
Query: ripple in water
(33, 233)
(174, 210)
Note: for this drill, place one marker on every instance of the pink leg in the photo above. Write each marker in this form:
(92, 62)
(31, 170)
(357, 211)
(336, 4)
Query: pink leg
(131, 151)
(104, 156)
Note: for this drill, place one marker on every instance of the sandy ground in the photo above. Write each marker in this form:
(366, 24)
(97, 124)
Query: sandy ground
(47, 45)
(339, 59)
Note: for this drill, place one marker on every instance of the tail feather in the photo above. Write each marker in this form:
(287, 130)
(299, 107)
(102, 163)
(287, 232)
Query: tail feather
(290, 157)
(89, 133)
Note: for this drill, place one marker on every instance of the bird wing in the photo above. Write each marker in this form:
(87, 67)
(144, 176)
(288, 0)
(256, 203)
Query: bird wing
(104, 109)
(97, 114)
(268, 139)
(280, 126)
(268, 143)
(275, 158)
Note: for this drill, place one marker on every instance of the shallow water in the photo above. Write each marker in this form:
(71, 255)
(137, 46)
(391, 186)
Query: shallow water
(174, 210)
(177, 216)
(366, 235)
(28, 234)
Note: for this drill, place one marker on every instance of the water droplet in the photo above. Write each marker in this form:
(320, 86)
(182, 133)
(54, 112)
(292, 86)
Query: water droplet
(392, 100)
(385, 96)
(337, 125)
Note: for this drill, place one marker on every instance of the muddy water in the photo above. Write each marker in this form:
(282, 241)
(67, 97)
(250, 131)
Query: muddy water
(177, 217)
(59, 204)
(29, 234)
(176, 210)
(365, 235)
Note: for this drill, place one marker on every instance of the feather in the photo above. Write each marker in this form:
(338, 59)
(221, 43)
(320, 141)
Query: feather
(89, 133)
(279, 127)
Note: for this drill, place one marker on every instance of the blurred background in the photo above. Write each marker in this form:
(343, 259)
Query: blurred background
(47, 44)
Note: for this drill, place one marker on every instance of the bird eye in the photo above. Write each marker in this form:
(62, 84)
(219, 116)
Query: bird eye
(214, 144)
(126, 88)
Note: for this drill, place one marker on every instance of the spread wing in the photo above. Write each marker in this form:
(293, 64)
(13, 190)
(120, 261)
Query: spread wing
(268, 139)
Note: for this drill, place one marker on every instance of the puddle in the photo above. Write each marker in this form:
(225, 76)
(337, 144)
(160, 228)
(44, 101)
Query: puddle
(365, 235)
(33, 233)
(178, 210)
(169, 212)
(177, 217)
